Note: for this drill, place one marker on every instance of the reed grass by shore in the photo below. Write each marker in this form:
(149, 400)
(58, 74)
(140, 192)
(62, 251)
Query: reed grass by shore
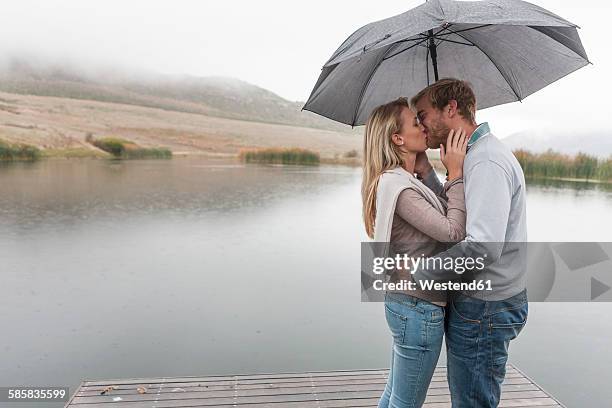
(11, 152)
(74, 153)
(279, 156)
(551, 164)
(125, 149)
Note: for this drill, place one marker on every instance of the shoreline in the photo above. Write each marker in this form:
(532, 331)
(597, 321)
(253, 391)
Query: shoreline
(569, 179)
(91, 154)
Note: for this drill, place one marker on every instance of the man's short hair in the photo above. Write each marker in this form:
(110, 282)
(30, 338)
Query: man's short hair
(446, 89)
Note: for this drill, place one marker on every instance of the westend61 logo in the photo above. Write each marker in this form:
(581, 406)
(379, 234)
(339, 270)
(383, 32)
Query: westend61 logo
(409, 264)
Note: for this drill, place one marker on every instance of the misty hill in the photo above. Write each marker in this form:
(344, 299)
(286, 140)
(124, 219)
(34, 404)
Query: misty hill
(212, 96)
(594, 143)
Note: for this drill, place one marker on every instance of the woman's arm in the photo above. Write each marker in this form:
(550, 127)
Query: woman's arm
(413, 208)
(431, 180)
(426, 173)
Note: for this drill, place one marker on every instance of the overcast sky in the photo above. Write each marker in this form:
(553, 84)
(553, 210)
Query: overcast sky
(281, 46)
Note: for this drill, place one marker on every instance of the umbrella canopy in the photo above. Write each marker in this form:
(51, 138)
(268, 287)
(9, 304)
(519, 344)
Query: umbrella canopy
(507, 50)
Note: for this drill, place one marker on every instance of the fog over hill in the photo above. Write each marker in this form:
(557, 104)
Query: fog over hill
(213, 96)
(594, 143)
(57, 107)
(216, 96)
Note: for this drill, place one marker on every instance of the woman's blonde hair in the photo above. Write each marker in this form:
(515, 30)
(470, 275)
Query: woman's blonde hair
(379, 153)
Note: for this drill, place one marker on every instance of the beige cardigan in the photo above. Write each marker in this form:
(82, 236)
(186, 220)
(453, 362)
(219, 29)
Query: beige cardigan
(390, 184)
(399, 195)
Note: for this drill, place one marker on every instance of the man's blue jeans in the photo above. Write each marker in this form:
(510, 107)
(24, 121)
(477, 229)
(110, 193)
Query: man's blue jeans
(417, 328)
(478, 334)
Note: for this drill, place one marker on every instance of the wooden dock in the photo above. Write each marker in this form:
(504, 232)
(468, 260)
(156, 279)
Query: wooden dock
(359, 388)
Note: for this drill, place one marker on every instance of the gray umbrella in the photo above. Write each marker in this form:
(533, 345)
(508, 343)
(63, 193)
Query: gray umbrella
(507, 50)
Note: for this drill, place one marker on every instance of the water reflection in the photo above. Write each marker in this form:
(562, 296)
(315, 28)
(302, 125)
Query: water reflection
(570, 184)
(196, 267)
(53, 193)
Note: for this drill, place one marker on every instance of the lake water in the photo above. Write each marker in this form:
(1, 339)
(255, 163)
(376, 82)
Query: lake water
(195, 267)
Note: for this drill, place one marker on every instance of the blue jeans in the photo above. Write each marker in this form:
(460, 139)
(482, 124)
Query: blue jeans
(417, 328)
(478, 334)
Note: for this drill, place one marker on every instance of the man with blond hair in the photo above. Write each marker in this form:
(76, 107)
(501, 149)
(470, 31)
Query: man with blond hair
(491, 308)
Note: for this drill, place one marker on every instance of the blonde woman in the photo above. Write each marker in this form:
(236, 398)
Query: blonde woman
(416, 217)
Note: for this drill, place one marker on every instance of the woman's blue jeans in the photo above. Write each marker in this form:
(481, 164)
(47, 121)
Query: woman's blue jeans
(417, 328)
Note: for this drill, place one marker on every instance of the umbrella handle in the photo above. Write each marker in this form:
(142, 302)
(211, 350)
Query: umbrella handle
(433, 53)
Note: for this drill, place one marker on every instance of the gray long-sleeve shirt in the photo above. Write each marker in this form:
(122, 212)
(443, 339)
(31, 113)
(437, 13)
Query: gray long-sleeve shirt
(496, 225)
(418, 228)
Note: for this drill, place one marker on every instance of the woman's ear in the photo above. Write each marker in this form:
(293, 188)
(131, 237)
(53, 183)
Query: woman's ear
(397, 139)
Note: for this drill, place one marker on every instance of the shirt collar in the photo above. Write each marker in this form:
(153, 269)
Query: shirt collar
(480, 131)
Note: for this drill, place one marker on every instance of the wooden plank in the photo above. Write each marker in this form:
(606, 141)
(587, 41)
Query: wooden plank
(337, 373)
(536, 402)
(221, 398)
(342, 388)
(273, 388)
(321, 394)
(343, 403)
(291, 381)
(367, 402)
(216, 399)
(262, 377)
(527, 377)
(69, 403)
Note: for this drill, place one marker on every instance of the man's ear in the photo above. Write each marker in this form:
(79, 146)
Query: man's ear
(397, 139)
(451, 108)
